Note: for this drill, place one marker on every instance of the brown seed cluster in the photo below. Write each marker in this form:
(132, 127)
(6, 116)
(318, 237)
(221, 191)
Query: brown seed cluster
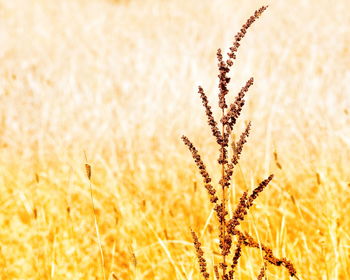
(228, 224)
(225, 244)
(211, 121)
(238, 215)
(230, 118)
(200, 253)
(239, 145)
(216, 272)
(236, 256)
(202, 169)
(224, 69)
(226, 180)
(239, 36)
(258, 190)
(249, 241)
(244, 204)
(262, 272)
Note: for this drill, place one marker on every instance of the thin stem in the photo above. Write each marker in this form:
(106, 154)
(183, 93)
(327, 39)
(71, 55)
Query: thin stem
(88, 173)
(98, 233)
(223, 220)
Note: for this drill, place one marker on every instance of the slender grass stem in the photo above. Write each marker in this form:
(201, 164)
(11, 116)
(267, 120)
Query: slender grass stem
(97, 233)
(88, 173)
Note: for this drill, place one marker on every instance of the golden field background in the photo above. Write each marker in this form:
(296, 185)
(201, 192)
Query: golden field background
(118, 80)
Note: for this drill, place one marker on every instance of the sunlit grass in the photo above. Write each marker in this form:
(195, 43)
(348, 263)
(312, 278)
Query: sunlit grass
(118, 79)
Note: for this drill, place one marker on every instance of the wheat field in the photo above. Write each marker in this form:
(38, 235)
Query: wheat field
(117, 81)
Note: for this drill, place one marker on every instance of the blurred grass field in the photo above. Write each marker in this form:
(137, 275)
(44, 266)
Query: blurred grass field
(118, 80)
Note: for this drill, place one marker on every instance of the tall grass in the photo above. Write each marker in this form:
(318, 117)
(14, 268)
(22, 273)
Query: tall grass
(117, 80)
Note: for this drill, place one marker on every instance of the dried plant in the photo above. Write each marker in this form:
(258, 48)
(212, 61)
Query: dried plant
(228, 223)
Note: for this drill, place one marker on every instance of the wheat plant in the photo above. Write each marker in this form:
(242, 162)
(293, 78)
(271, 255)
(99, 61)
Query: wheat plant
(228, 230)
